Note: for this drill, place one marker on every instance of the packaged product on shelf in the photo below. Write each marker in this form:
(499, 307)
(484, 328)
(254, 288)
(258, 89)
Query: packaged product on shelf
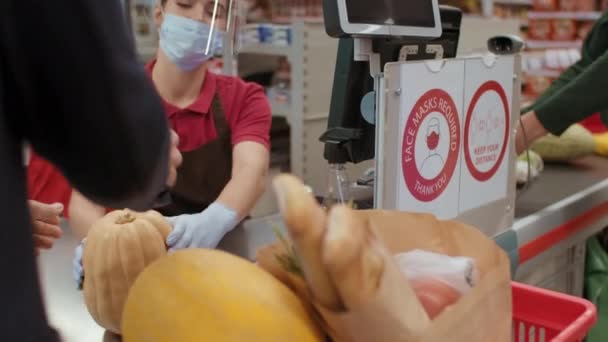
(281, 35)
(586, 5)
(539, 29)
(568, 5)
(257, 10)
(280, 90)
(583, 29)
(536, 85)
(545, 5)
(563, 29)
(265, 32)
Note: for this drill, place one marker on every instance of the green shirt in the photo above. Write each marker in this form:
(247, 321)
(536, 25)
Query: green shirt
(582, 90)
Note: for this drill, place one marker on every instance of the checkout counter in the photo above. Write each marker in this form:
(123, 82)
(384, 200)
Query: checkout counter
(566, 205)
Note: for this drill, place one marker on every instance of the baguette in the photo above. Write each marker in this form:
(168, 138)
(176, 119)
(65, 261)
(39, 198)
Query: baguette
(353, 263)
(305, 221)
(368, 279)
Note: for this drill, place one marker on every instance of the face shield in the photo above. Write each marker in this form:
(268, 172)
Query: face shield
(223, 19)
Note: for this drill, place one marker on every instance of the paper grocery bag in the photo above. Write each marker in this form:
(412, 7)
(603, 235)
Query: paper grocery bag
(482, 315)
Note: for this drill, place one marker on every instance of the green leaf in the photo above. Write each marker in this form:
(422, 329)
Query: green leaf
(289, 261)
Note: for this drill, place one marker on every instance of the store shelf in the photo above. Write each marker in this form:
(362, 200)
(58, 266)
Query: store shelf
(550, 44)
(266, 49)
(280, 109)
(514, 2)
(544, 73)
(565, 15)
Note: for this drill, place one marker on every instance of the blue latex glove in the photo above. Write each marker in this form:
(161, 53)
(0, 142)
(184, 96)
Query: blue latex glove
(77, 270)
(203, 230)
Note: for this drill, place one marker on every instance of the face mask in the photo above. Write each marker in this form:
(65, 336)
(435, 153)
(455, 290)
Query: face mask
(184, 41)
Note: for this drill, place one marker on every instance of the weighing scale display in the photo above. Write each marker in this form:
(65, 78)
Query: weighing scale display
(392, 12)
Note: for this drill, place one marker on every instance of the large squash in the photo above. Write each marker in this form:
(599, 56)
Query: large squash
(119, 246)
(208, 295)
(576, 142)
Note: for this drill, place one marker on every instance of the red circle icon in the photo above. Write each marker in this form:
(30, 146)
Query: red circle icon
(436, 112)
(489, 151)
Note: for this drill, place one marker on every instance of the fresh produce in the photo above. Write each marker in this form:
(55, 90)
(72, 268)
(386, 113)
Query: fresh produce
(306, 222)
(119, 246)
(576, 142)
(434, 295)
(601, 144)
(531, 162)
(209, 295)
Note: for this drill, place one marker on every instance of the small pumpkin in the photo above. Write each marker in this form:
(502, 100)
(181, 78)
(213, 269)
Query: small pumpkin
(119, 246)
(208, 295)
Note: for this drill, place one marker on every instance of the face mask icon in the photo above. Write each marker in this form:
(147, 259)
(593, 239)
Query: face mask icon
(432, 135)
(433, 162)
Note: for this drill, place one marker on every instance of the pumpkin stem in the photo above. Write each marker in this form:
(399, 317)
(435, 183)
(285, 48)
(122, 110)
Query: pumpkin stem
(125, 218)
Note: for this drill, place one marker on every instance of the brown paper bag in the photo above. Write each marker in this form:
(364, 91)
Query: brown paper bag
(484, 314)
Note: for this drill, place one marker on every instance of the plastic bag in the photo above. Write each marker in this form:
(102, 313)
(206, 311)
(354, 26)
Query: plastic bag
(439, 281)
(459, 273)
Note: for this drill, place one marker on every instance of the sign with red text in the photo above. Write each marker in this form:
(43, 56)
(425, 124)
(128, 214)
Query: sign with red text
(486, 135)
(431, 119)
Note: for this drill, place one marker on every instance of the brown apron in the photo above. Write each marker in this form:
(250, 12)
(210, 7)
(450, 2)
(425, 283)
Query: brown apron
(205, 171)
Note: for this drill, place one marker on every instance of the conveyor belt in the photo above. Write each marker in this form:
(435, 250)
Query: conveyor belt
(565, 206)
(557, 182)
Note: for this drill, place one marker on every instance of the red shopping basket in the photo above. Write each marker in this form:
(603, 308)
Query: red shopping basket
(545, 316)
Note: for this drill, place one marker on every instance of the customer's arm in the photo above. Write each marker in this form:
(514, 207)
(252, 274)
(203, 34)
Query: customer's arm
(578, 92)
(581, 98)
(88, 106)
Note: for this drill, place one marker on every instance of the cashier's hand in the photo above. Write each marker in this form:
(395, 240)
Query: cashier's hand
(45, 221)
(77, 269)
(175, 159)
(202, 230)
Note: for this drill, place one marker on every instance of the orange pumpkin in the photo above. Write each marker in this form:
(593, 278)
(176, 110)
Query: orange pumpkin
(119, 246)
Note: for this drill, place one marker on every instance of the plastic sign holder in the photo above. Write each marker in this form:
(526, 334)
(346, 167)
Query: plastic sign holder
(445, 139)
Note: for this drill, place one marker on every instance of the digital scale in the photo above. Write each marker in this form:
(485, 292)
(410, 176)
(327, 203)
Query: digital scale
(439, 127)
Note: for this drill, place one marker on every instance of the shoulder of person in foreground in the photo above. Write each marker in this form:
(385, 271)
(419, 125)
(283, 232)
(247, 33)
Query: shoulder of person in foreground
(91, 109)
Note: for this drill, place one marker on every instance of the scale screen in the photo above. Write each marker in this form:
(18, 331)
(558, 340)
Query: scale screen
(364, 18)
(417, 13)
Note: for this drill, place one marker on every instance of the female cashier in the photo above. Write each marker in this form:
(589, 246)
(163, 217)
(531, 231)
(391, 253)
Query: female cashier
(223, 124)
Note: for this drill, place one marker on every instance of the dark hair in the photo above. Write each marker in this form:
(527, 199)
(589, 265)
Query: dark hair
(163, 2)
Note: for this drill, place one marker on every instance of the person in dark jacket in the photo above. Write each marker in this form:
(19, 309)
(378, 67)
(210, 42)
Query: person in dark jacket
(577, 94)
(101, 123)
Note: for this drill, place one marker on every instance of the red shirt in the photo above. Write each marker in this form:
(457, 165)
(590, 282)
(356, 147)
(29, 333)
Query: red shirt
(46, 184)
(245, 105)
(247, 113)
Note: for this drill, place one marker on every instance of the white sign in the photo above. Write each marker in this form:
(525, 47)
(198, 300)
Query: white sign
(486, 132)
(431, 124)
